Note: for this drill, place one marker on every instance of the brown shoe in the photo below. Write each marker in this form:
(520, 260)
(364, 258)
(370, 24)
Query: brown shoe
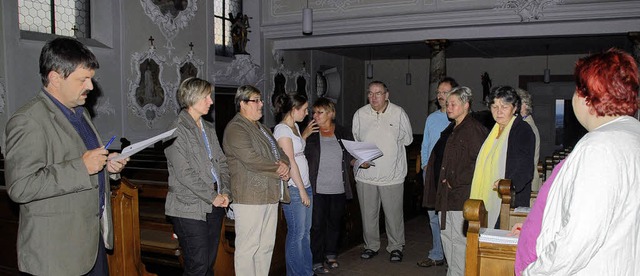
(429, 262)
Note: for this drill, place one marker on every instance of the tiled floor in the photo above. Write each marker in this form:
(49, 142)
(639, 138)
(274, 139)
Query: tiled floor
(417, 236)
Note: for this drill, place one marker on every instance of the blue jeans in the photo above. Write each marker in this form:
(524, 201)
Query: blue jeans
(436, 252)
(298, 242)
(199, 241)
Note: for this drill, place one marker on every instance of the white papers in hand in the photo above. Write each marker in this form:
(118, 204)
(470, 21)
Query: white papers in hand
(135, 148)
(362, 151)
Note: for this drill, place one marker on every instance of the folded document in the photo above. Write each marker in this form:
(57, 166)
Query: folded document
(362, 151)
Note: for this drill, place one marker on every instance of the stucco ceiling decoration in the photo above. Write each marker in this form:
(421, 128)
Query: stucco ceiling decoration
(528, 9)
(169, 24)
(242, 70)
(341, 5)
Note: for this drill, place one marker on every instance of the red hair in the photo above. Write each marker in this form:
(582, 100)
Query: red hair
(609, 82)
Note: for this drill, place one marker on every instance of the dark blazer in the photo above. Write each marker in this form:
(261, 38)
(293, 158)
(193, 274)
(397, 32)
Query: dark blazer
(59, 206)
(458, 164)
(431, 174)
(312, 152)
(520, 152)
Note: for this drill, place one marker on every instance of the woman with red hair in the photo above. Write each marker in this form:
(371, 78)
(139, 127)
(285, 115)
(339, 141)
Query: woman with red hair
(591, 218)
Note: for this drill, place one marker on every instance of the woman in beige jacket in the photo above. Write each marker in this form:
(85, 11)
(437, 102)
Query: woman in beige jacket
(259, 170)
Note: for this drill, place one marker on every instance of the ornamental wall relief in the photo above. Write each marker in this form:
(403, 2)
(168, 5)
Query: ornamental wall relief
(186, 67)
(149, 96)
(528, 9)
(170, 15)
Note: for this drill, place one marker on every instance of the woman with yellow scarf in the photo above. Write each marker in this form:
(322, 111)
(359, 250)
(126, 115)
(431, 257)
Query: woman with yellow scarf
(506, 153)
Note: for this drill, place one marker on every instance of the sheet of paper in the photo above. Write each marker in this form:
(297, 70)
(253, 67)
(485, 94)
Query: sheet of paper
(135, 148)
(362, 151)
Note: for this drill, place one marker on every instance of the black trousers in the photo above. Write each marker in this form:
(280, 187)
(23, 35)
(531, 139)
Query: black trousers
(326, 222)
(101, 267)
(199, 241)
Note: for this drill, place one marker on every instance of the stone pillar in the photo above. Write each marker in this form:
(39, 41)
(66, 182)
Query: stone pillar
(437, 70)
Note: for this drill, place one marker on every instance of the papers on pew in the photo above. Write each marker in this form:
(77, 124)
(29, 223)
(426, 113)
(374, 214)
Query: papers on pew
(362, 151)
(524, 210)
(135, 148)
(498, 236)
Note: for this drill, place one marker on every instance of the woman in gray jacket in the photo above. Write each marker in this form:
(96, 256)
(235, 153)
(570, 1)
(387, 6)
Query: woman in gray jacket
(198, 179)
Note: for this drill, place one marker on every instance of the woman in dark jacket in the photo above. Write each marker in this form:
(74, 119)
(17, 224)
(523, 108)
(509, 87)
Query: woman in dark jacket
(456, 173)
(507, 153)
(326, 156)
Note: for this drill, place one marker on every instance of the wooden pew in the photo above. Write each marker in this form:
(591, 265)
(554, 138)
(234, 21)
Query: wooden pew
(155, 231)
(482, 258)
(125, 258)
(507, 215)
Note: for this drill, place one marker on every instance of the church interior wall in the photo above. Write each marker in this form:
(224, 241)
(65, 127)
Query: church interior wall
(123, 28)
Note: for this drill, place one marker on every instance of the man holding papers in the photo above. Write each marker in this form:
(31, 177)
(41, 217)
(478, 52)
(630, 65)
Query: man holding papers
(387, 126)
(57, 168)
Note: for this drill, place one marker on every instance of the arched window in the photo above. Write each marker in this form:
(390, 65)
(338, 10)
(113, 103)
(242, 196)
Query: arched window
(67, 18)
(224, 11)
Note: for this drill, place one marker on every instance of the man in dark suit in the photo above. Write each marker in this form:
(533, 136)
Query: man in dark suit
(55, 170)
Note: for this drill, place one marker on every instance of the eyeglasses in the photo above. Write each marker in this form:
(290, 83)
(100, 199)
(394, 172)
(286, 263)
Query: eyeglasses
(376, 94)
(255, 101)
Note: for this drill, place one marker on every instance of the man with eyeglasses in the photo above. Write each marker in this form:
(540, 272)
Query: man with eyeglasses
(436, 122)
(386, 125)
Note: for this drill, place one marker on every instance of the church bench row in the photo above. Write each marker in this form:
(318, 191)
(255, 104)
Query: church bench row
(484, 258)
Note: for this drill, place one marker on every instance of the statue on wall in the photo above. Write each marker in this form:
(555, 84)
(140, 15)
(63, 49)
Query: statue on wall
(239, 33)
(149, 89)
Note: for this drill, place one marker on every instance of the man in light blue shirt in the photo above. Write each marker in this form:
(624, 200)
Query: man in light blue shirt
(435, 124)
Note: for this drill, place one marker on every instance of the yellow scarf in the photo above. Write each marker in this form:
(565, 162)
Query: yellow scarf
(490, 166)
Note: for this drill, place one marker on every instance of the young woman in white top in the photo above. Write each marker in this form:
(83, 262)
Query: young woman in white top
(292, 108)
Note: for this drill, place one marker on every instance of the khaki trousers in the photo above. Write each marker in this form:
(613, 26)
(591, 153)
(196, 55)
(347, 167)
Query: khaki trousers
(391, 198)
(255, 227)
(454, 243)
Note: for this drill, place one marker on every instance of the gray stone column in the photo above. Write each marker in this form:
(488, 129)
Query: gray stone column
(437, 70)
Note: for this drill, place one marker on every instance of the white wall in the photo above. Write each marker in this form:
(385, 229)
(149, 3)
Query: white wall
(467, 71)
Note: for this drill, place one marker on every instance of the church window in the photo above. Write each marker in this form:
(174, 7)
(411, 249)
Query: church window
(59, 17)
(224, 11)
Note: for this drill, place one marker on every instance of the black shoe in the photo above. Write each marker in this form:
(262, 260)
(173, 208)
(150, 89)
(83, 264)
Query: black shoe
(429, 262)
(395, 256)
(368, 254)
